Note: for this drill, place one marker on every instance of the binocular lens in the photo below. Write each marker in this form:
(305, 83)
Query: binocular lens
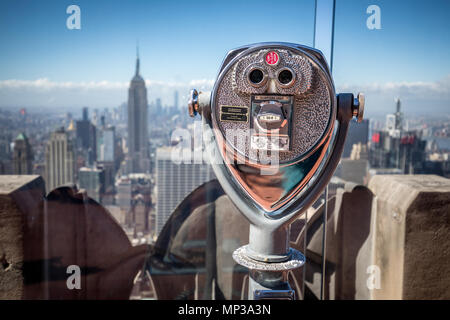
(256, 76)
(285, 77)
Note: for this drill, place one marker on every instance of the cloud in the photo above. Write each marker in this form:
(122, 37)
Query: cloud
(417, 97)
(195, 83)
(46, 84)
(48, 93)
(431, 90)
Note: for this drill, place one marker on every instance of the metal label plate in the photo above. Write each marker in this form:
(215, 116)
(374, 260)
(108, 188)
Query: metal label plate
(234, 113)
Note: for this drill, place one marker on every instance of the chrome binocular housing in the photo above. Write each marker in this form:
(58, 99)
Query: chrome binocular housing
(279, 128)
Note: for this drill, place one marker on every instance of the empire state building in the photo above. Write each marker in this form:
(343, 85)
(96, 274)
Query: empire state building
(137, 125)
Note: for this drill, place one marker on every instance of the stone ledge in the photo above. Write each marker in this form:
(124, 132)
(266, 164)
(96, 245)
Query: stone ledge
(401, 189)
(11, 183)
(412, 236)
(41, 236)
(16, 193)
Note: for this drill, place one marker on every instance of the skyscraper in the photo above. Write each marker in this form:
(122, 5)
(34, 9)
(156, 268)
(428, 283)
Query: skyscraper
(106, 138)
(394, 122)
(93, 181)
(5, 152)
(22, 155)
(59, 160)
(86, 139)
(85, 113)
(137, 124)
(174, 182)
(123, 195)
(158, 106)
(175, 99)
(396, 147)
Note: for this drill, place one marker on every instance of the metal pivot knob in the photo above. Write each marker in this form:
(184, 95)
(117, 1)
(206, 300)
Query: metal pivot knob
(358, 107)
(193, 105)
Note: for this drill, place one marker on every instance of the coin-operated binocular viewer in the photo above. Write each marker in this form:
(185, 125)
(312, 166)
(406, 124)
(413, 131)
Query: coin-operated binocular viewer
(279, 130)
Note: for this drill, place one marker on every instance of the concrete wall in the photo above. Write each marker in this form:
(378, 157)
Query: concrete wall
(388, 241)
(412, 243)
(349, 238)
(40, 237)
(11, 230)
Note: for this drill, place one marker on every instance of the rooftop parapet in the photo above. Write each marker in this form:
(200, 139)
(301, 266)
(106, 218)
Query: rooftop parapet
(42, 237)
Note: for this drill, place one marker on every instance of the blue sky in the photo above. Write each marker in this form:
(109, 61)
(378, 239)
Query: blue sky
(181, 41)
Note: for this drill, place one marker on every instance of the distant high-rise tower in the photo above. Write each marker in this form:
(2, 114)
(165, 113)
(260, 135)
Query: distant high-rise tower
(394, 122)
(5, 151)
(106, 139)
(59, 160)
(158, 106)
(398, 115)
(86, 137)
(123, 194)
(93, 181)
(175, 99)
(85, 114)
(137, 123)
(22, 155)
(174, 182)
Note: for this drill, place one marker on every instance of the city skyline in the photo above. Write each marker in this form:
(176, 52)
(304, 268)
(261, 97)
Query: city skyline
(51, 66)
(282, 178)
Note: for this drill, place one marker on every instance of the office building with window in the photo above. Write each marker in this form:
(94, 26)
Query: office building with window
(174, 182)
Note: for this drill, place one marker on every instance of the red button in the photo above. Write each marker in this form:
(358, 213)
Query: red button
(272, 58)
